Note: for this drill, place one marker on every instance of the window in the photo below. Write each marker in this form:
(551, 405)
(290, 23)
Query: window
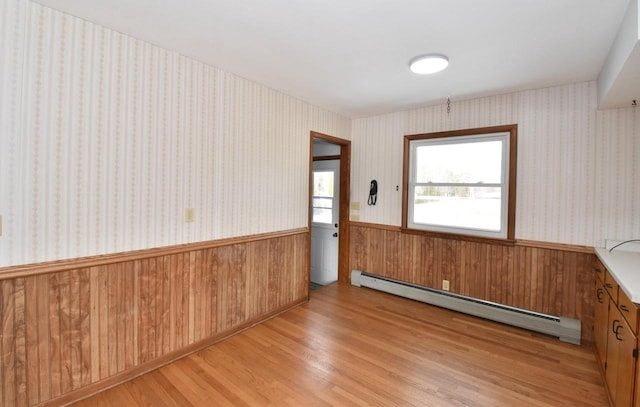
(461, 182)
(323, 197)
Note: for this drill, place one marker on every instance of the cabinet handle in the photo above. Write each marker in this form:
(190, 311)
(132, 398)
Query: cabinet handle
(599, 294)
(617, 332)
(608, 285)
(624, 308)
(597, 270)
(614, 327)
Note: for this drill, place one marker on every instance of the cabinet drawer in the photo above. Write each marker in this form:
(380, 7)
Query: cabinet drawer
(628, 310)
(599, 268)
(611, 286)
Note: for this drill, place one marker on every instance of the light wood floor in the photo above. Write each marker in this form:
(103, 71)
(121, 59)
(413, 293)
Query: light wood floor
(355, 346)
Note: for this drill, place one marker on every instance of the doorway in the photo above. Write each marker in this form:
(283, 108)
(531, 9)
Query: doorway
(329, 181)
(325, 203)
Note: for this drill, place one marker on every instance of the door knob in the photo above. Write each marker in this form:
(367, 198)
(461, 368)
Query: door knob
(335, 234)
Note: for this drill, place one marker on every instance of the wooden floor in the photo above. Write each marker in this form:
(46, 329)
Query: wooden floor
(355, 346)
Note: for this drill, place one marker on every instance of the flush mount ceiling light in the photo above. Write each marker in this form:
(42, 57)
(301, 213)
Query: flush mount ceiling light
(430, 63)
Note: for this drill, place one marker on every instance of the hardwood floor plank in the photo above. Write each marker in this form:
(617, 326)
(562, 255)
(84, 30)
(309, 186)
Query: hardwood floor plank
(352, 346)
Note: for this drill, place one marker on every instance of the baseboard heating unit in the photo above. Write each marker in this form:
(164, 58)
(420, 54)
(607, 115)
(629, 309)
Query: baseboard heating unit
(566, 329)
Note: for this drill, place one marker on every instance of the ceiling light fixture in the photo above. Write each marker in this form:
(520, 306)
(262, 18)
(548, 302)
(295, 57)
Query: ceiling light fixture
(430, 63)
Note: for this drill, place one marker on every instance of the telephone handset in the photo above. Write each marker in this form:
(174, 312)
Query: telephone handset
(373, 193)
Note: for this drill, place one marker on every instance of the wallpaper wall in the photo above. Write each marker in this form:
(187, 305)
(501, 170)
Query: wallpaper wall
(105, 140)
(577, 166)
(617, 194)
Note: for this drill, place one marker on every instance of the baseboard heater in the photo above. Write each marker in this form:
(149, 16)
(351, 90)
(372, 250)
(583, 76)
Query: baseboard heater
(566, 329)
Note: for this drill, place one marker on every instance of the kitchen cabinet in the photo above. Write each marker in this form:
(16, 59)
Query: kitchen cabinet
(621, 364)
(615, 338)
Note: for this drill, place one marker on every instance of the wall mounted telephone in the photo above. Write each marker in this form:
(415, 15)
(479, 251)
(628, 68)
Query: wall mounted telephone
(373, 192)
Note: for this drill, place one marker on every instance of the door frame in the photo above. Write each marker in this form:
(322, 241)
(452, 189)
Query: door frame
(345, 199)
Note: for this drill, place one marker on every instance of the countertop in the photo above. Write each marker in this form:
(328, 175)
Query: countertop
(623, 263)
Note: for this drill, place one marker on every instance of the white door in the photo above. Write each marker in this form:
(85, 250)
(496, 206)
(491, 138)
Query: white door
(324, 221)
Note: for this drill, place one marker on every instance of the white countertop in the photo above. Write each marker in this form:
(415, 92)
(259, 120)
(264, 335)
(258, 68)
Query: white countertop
(623, 263)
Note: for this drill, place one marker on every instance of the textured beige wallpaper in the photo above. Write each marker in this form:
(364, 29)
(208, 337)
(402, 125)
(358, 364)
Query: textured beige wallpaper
(107, 139)
(578, 168)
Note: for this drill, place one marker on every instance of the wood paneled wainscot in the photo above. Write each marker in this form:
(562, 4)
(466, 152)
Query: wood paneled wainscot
(615, 338)
(72, 328)
(549, 278)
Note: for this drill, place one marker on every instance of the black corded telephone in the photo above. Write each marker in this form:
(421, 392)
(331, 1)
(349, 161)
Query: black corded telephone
(373, 192)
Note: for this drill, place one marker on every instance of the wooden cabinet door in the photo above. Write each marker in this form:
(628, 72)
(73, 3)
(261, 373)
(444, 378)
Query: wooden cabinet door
(637, 387)
(621, 362)
(613, 348)
(601, 322)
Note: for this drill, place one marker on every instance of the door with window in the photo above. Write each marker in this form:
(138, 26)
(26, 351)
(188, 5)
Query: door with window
(324, 221)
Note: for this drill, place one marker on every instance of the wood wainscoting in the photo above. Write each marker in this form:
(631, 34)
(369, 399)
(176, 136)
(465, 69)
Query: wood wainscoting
(72, 328)
(542, 277)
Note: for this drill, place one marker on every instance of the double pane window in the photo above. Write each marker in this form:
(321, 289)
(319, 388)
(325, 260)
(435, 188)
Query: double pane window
(460, 184)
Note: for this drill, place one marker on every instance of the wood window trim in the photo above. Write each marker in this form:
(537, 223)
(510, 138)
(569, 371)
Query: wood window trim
(512, 129)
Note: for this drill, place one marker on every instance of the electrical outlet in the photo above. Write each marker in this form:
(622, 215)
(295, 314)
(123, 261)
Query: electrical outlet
(445, 285)
(188, 215)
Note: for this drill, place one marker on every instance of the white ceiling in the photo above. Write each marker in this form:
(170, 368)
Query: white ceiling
(351, 56)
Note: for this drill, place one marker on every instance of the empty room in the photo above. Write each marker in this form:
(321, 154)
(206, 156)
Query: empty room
(319, 203)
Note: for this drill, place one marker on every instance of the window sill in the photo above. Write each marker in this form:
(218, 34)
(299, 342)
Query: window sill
(455, 236)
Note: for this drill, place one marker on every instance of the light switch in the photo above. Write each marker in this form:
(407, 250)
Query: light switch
(355, 206)
(188, 215)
